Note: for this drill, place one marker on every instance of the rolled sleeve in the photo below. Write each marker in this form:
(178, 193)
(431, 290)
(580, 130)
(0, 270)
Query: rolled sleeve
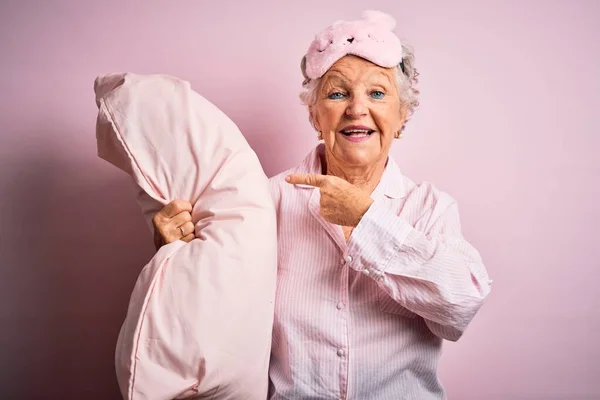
(384, 233)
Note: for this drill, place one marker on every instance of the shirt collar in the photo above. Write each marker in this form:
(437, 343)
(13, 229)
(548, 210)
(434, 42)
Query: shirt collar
(392, 183)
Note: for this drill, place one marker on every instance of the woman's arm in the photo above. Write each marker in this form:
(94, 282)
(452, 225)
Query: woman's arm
(425, 265)
(432, 271)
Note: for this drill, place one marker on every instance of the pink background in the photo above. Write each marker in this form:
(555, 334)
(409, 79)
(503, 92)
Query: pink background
(507, 125)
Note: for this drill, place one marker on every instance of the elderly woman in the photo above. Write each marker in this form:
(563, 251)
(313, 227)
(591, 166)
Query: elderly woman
(373, 269)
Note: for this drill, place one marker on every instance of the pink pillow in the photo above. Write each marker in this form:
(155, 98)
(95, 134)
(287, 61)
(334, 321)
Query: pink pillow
(200, 316)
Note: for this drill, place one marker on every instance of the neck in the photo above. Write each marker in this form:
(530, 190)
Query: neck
(364, 177)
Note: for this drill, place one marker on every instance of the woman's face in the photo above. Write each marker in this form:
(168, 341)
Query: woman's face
(358, 112)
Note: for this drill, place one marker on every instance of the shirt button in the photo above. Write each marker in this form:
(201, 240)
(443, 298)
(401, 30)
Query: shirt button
(348, 258)
(340, 352)
(366, 272)
(340, 305)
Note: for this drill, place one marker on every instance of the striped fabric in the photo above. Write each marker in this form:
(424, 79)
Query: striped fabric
(365, 319)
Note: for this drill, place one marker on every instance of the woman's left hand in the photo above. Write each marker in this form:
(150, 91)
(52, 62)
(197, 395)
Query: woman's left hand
(342, 203)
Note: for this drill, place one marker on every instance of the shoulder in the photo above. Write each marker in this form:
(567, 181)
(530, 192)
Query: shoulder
(278, 186)
(310, 164)
(429, 190)
(426, 198)
(397, 185)
(277, 182)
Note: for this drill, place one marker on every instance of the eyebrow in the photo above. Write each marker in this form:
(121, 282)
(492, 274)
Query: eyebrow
(388, 79)
(379, 78)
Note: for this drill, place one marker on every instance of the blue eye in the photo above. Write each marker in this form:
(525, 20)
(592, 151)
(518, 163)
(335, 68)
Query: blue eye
(378, 94)
(335, 96)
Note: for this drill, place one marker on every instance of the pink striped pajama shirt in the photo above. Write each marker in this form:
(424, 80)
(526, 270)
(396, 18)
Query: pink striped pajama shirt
(365, 319)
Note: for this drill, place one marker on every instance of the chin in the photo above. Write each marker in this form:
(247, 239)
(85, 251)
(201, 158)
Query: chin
(360, 156)
(359, 160)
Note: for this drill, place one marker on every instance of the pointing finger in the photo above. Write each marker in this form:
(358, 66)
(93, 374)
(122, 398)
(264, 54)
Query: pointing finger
(306, 179)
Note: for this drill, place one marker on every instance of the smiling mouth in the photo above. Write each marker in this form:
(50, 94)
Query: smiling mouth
(357, 132)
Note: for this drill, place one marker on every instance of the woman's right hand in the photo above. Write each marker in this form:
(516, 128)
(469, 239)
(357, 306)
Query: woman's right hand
(173, 222)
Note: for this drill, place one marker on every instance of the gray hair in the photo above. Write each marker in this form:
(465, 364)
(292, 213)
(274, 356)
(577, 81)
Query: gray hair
(406, 80)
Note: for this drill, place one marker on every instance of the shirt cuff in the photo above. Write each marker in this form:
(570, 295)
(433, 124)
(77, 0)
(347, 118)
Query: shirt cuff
(376, 240)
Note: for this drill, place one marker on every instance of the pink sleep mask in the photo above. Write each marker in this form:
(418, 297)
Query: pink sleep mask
(370, 37)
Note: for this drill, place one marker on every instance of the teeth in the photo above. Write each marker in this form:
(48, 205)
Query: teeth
(357, 132)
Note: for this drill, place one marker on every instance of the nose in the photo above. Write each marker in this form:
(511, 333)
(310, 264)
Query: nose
(357, 107)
